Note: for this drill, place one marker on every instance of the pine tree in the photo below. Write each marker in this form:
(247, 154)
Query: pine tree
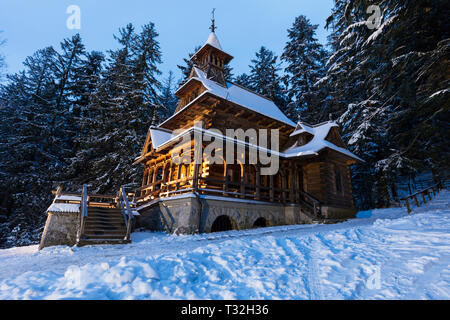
(123, 106)
(395, 67)
(2, 58)
(187, 67)
(168, 100)
(28, 157)
(304, 57)
(243, 80)
(264, 78)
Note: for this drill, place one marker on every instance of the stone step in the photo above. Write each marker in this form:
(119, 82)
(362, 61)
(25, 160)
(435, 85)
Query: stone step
(87, 229)
(109, 235)
(105, 213)
(86, 242)
(107, 219)
(104, 233)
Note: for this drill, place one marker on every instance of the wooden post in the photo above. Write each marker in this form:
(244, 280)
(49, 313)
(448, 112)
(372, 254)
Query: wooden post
(258, 182)
(169, 179)
(177, 185)
(415, 199)
(272, 191)
(196, 174)
(423, 197)
(164, 173)
(226, 179)
(407, 205)
(292, 181)
(243, 181)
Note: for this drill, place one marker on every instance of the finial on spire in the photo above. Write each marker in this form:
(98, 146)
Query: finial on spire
(299, 117)
(213, 26)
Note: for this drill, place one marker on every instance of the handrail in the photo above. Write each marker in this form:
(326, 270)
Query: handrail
(102, 196)
(316, 204)
(431, 189)
(123, 200)
(83, 213)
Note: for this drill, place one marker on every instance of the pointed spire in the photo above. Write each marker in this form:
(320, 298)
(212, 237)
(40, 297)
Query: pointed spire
(213, 26)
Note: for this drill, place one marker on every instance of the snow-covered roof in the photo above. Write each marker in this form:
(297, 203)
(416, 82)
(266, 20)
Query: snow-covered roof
(159, 136)
(68, 197)
(212, 40)
(240, 96)
(317, 143)
(64, 207)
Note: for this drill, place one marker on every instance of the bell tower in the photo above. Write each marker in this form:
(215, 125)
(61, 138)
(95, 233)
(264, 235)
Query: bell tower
(211, 58)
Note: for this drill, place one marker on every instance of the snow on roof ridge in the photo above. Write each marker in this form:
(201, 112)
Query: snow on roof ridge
(249, 90)
(318, 141)
(209, 84)
(214, 41)
(310, 128)
(159, 136)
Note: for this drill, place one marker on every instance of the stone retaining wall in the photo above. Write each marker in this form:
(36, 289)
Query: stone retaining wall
(60, 229)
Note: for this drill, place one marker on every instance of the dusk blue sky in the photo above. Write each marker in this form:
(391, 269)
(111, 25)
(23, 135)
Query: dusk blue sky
(243, 26)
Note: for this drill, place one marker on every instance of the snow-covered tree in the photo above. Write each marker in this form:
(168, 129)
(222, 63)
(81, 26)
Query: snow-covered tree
(168, 100)
(304, 57)
(243, 80)
(2, 58)
(264, 77)
(394, 67)
(125, 103)
(187, 67)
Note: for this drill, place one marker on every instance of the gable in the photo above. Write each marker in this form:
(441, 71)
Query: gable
(335, 138)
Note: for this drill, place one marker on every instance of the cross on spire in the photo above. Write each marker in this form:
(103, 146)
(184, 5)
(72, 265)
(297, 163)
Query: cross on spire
(213, 26)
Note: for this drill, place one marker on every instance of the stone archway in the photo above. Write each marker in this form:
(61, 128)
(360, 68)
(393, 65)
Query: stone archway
(223, 223)
(260, 223)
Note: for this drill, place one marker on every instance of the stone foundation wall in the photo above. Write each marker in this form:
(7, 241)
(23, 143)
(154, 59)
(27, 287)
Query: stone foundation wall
(60, 229)
(183, 215)
(171, 216)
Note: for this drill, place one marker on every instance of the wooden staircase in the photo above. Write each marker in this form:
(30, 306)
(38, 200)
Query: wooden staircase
(104, 226)
(108, 221)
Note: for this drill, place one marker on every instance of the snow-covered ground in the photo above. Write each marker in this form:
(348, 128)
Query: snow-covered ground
(384, 254)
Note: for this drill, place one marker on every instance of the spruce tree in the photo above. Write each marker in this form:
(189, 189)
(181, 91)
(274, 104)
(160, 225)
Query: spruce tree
(264, 78)
(2, 58)
(28, 150)
(123, 106)
(397, 67)
(304, 57)
(243, 80)
(187, 67)
(168, 100)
